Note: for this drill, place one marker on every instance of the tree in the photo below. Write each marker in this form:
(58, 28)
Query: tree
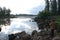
(8, 12)
(4, 12)
(53, 7)
(44, 14)
(59, 7)
(0, 12)
(47, 5)
(4, 16)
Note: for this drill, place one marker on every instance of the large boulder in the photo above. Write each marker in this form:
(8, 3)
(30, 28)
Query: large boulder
(11, 36)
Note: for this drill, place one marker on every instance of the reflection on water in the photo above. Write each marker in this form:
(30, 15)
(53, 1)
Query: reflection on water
(20, 24)
(4, 21)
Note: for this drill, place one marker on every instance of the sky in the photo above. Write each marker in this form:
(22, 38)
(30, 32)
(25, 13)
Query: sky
(23, 6)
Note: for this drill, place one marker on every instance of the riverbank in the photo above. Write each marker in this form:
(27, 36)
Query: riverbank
(34, 36)
(42, 22)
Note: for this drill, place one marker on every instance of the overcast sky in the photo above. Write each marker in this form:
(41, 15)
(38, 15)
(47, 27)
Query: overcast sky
(23, 6)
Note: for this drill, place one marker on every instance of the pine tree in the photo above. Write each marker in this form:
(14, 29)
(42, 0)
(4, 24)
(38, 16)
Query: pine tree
(53, 7)
(58, 6)
(47, 5)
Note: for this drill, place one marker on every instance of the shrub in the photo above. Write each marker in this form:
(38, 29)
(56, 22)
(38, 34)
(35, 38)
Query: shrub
(44, 14)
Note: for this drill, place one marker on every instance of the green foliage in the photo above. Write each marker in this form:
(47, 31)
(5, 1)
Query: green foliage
(4, 16)
(4, 13)
(44, 14)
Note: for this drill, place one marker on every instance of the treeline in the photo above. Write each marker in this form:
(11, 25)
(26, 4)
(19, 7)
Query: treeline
(53, 6)
(25, 15)
(4, 13)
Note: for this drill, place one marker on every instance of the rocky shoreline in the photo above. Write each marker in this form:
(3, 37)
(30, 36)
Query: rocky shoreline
(34, 36)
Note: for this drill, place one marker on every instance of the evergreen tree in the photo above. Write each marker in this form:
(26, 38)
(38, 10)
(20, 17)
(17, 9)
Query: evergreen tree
(59, 7)
(47, 5)
(0, 12)
(53, 7)
(8, 12)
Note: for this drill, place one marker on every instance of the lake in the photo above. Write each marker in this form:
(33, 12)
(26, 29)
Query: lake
(20, 24)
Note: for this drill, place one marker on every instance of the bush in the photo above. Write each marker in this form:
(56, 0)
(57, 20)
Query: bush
(44, 14)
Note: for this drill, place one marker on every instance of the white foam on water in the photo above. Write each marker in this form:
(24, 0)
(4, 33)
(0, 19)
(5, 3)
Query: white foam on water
(18, 25)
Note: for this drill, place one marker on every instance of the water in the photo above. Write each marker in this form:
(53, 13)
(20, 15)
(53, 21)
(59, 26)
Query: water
(3, 36)
(18, 25)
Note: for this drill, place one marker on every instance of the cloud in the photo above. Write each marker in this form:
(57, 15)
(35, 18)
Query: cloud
(21, 6)
(37, 9)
